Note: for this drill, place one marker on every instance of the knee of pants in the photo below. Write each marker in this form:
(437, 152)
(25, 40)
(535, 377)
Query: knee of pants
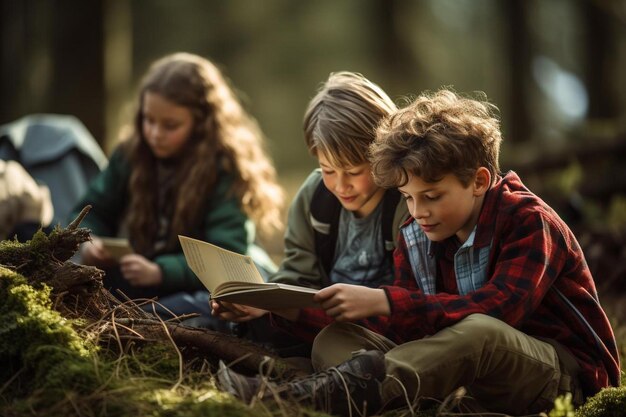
(332, 332)
(335, 335)
(480, 330)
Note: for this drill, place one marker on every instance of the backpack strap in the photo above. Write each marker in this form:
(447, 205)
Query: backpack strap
(324, 212)
(390, 202)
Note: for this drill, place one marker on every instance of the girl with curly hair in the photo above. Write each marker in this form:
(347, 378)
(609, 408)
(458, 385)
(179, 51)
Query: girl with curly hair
(194, 165)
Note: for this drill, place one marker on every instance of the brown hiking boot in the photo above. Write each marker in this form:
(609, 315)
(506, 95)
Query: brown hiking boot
(351, 388)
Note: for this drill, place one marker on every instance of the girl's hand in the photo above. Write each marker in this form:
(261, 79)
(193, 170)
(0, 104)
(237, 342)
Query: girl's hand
(346, 302)
(139, 271)
(235, 312)
(93, 253)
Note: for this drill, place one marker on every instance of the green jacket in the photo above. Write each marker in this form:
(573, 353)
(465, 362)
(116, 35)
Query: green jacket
(300, 265)
(224, 223)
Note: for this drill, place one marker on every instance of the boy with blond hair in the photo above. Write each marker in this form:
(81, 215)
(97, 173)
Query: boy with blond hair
(492, 292)
(341, 227)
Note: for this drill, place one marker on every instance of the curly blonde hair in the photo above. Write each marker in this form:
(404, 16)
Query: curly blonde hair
(437, 134)
(224, 139)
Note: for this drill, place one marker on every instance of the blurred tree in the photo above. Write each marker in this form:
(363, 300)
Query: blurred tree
(555, 69)
(601, 62)
(52, 60)
(117, 67)
(393, 50)
(519, 57)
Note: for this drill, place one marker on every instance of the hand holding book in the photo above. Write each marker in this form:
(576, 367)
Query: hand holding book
(232, 277)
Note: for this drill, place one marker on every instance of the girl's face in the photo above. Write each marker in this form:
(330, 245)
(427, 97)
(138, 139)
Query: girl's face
(353, 186)
(166, 125)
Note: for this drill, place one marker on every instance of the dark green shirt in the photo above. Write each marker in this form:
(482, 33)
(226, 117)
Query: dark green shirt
(224, 224)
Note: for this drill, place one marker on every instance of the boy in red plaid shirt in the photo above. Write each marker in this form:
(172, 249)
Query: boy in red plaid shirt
(492, 292)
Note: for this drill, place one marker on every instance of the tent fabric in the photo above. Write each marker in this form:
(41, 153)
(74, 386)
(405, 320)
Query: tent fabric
(58, 151)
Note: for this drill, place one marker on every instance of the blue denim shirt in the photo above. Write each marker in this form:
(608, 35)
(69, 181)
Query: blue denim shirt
(470, 263)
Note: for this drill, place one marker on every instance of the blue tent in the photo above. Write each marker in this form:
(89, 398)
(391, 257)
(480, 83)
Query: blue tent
(56, 150)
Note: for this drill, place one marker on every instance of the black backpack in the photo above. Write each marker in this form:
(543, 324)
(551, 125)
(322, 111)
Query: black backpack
(325, 209)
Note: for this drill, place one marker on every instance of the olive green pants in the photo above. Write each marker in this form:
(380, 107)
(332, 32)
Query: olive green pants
(502, 369)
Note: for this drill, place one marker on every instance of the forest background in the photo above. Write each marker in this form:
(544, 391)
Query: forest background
(556, 69)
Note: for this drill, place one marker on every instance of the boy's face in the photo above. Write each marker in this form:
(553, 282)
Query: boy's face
(353, 186)
(446, 208)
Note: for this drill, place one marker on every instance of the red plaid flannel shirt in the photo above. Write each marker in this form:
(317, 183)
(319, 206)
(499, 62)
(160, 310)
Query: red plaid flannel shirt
(538, 282)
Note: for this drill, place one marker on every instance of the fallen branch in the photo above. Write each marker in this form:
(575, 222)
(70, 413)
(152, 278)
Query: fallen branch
(78, 293)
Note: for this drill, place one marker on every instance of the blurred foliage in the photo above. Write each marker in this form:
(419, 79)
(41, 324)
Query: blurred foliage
(554, 69)
(563, 406)
(536, 60)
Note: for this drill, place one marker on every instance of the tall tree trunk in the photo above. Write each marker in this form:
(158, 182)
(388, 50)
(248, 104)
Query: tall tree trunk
(520, 126)
(601, 65)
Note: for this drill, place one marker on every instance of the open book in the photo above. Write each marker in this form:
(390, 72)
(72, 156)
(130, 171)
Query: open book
(232, 277)
(116, 246)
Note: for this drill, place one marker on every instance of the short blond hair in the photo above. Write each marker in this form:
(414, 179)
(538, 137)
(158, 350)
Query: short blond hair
(340, 121)
(437, 134)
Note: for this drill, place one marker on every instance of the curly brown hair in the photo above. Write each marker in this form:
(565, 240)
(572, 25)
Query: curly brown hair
(437, 134)
(224, 139)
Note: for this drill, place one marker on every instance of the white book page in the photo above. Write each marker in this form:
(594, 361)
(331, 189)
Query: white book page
(214, 265)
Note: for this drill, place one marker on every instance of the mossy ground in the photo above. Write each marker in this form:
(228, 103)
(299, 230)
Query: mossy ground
(51, 367)
(54, 366)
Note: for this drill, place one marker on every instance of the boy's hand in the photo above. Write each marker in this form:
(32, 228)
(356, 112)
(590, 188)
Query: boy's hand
(345, 302)
(235, 312)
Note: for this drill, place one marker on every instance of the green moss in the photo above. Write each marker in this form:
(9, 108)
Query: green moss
(203, 401)
(51, 370)
(29, 256)
(61, 370)
(27, 321)
(610, 402)
(154, 360)
(40, 345)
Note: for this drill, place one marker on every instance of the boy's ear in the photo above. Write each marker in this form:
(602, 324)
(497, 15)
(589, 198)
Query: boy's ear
(482, 181)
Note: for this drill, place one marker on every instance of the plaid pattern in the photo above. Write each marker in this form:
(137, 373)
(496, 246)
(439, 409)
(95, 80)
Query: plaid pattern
(421, 257)
(537, 281)
(470, 262)
(471, 265)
